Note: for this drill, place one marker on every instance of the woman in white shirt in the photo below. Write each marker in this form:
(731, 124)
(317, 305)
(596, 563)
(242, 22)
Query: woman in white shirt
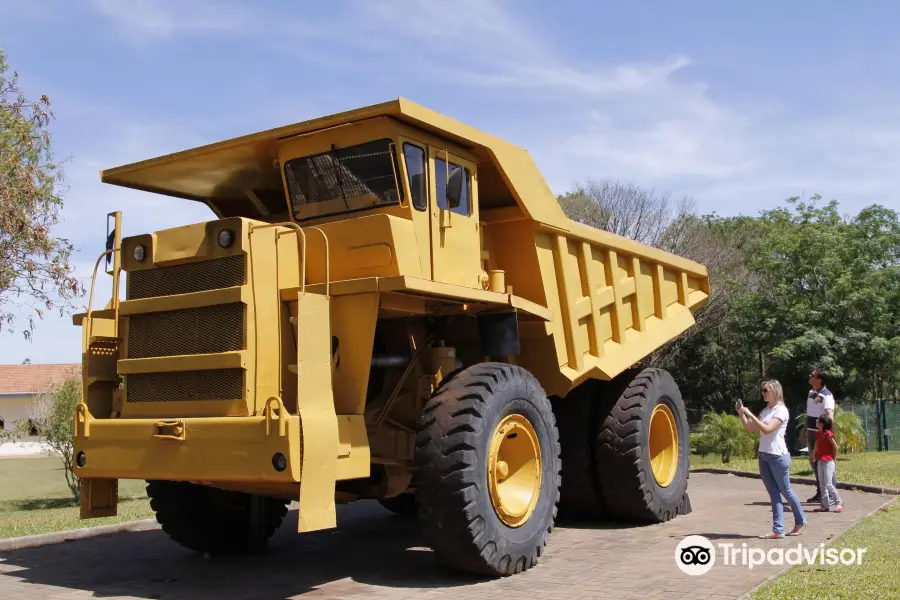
(774, 458)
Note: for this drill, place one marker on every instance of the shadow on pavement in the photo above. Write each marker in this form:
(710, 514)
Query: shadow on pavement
(721, 536)
(370, 546)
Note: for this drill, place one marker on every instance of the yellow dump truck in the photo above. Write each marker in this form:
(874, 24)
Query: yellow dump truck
(388, 305)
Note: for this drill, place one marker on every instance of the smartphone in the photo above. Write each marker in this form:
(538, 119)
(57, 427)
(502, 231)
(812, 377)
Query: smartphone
(738, 404)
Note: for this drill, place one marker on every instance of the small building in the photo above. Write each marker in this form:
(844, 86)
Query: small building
(20, 386)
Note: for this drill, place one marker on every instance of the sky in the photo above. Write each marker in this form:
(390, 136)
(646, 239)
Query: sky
(736, 105)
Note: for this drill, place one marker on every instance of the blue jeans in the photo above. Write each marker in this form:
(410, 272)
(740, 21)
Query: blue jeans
(775, 471)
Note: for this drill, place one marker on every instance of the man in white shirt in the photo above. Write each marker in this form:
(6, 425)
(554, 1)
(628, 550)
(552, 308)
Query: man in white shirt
(820, 401)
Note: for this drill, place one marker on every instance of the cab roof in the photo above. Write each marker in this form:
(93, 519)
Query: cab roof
(239, 176)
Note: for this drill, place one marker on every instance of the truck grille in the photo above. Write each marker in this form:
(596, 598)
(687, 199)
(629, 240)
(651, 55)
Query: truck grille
(219, 384)
(184, 279)
(206, 330)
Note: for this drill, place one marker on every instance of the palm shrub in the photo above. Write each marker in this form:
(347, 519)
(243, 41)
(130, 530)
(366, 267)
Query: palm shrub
(723, 434)
(848, 428)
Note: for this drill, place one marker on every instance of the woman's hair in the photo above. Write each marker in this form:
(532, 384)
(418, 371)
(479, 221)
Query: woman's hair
(826, 422)
(775, 387)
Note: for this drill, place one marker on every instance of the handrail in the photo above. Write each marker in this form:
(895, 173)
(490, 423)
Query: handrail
(302, 233)
(269, 415)
(90, 306)
(327, 263)
(301, 244)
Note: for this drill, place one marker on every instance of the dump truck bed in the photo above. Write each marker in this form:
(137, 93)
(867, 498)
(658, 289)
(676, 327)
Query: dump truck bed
(615, 301)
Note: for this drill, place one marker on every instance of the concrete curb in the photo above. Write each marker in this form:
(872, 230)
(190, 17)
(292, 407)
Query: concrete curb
(57, 537)
(872, 489)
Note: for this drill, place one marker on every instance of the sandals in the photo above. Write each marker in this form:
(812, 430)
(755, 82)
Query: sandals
(772, 536)
(797, 530)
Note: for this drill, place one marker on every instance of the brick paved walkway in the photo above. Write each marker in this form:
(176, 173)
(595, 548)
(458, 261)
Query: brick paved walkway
(377, 555)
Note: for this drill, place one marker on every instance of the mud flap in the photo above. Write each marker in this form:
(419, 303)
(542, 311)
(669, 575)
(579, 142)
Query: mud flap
(98, 498)
(318, 419)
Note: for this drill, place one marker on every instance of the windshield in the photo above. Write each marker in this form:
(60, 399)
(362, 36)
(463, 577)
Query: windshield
(343, 179)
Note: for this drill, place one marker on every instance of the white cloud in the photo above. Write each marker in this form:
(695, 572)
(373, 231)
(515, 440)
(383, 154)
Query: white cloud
(652, 122)
(160, 18)
(480, 43)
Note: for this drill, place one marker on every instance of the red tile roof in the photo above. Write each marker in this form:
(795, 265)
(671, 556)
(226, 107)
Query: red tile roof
(34, 379)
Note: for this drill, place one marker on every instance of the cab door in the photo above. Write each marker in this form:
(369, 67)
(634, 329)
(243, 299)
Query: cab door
(455, 239)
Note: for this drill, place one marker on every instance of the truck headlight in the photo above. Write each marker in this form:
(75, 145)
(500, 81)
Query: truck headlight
(226, 238)
(138, 253)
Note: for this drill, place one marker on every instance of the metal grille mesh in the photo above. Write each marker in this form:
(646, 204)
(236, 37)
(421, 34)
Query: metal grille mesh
(184, 279)
(220, 384)
(363, 170)
(205, 330)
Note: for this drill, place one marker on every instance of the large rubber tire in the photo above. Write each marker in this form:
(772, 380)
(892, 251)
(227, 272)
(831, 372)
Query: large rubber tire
(452, 448)
(580, 497)
(210, 520)
(625, 477)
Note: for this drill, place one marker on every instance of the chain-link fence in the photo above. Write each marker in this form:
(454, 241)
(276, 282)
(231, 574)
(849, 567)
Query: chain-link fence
(881, 420)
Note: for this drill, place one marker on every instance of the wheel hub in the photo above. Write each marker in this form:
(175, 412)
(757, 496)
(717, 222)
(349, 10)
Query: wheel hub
(663, 445)
(514, 469)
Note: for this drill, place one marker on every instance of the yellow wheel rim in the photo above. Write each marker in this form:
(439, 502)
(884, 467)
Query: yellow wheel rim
(663, 445)
(514, 470)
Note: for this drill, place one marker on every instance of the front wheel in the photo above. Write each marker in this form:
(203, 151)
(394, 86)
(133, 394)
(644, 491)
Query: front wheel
(487, 451)
(211, 520)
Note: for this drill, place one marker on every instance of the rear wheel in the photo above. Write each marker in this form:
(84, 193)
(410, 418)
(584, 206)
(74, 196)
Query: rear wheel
(576, 415)
(643, 450)
(625, 448)
(211, 520)
(487, 452)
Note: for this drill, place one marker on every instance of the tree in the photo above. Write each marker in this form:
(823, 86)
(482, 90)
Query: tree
(53, 416)
(829, 296)
(723, 434)
(626, 209)
(849, 432)
(35, 270)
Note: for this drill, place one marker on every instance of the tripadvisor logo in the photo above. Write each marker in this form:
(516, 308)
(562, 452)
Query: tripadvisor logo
(696, 555)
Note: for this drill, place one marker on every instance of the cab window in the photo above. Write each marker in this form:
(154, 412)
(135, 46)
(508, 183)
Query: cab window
(453, 188)
(415, 173)
(343, 179)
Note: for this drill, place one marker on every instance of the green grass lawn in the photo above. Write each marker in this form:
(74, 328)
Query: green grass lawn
(34, 498)
(876, 577)
(869, 468)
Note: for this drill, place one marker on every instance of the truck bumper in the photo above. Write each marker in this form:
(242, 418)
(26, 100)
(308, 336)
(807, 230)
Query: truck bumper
(226, 449)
